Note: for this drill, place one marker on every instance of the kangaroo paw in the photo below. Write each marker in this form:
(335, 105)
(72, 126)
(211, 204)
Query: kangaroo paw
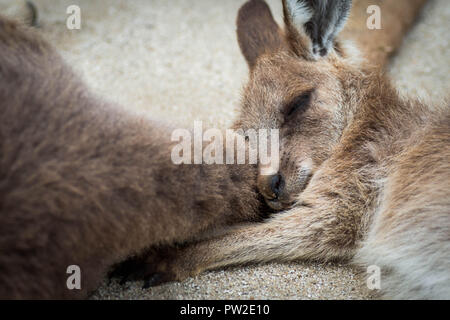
(155, 267)
(157, 279)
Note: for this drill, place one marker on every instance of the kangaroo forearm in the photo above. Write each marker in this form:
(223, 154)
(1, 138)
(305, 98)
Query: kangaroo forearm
(300, 233)
(326, 224)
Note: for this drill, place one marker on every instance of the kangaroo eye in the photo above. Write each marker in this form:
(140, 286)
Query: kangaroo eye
(300, 103)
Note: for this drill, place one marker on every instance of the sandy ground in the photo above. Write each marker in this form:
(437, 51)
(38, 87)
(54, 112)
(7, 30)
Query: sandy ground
(179, 61)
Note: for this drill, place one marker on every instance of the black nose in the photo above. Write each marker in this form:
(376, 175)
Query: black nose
(276, 184)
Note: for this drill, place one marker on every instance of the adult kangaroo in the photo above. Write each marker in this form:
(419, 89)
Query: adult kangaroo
(364, 174)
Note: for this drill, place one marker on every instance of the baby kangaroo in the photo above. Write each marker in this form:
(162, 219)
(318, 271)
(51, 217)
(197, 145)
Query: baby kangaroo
(364, 174)
(85, 183)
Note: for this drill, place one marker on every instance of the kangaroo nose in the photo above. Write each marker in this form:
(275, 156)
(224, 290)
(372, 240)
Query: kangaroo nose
(275, 184)
(271, 186)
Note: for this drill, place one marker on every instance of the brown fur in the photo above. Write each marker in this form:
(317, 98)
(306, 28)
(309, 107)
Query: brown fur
(368, 171)
(83, 182)
(397, 17)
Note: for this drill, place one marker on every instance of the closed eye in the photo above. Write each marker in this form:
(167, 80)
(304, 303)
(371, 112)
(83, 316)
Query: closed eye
(300, 103)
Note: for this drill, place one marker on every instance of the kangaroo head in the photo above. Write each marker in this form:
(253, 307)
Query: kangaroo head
(299, 84)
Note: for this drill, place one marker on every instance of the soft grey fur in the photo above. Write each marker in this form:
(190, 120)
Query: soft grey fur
(328, 19)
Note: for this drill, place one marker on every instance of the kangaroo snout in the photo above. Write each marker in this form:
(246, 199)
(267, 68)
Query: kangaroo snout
(272, 187)
(280, 189)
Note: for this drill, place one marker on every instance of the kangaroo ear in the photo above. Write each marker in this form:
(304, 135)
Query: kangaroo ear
(312, 25)
(257, 31)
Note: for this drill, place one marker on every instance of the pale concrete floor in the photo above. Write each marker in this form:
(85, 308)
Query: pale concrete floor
(179, 61)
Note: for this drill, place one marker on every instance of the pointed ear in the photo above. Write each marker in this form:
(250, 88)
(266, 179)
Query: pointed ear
(257, 31)
(312, 25)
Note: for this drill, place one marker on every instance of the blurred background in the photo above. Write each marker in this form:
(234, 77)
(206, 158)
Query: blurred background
(179, 61)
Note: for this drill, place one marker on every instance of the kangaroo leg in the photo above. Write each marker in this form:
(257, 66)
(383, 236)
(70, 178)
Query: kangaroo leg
(397, 16)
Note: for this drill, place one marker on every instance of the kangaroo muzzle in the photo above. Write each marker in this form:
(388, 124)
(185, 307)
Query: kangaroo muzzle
(272, 188)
